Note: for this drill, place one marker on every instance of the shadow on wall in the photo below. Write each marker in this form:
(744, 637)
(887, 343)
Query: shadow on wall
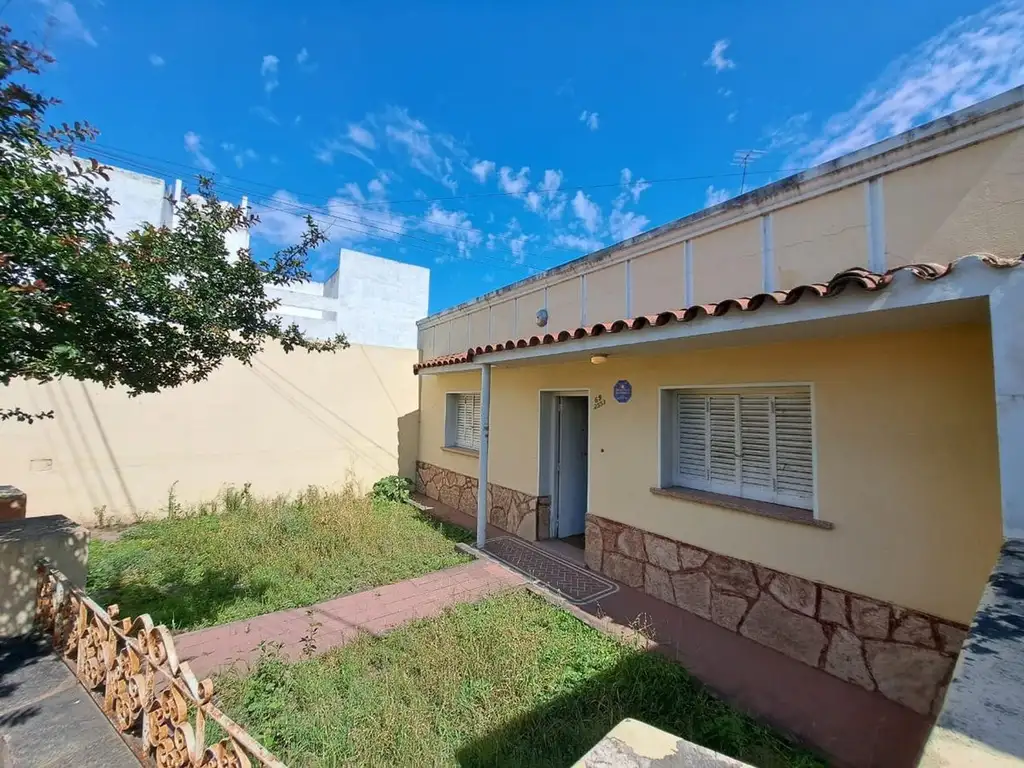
(408, 444)
(22, 544)
(645, 686)
(282, 424)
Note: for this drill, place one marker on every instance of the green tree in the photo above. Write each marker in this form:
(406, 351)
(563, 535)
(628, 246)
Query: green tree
(155, 309)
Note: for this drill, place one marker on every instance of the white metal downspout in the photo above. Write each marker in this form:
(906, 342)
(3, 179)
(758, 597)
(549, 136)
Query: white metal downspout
(485, 439)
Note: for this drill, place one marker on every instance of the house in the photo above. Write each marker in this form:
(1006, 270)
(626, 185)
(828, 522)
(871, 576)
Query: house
(797, 414)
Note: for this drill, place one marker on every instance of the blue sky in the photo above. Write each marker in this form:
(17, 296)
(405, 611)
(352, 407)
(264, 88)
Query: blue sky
(488, 141)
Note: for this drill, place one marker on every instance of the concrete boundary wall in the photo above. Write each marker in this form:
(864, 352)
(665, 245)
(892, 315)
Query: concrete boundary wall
(286, 422)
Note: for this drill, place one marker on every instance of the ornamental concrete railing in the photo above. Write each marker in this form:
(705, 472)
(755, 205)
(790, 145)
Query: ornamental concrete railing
(132, 667)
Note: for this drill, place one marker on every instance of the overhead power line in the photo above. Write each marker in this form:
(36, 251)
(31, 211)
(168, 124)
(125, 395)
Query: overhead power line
(448, 198)
(361, 227)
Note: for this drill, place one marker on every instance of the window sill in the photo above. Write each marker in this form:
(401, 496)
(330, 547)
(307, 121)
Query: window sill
(462, 451)
(751, 507)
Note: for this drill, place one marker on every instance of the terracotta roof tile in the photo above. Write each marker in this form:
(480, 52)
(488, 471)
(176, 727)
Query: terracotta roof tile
(857, 277)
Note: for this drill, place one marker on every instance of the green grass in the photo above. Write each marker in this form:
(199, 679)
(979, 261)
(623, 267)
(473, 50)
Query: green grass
(509, 681)
(240, 556)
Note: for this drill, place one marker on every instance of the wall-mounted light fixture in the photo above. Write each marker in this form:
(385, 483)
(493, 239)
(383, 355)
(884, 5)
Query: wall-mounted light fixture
(598, 359)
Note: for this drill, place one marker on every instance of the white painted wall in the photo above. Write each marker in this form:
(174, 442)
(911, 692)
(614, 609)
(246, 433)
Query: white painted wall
(141, 199)
(138, 200)
(380, 300)
(373, 301)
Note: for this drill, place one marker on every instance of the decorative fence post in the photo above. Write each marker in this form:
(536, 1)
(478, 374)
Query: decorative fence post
(145, 689)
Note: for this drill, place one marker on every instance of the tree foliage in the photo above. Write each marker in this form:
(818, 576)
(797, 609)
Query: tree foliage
(155, 309)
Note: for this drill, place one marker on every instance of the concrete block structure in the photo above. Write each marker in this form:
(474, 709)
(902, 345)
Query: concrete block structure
(372, 300)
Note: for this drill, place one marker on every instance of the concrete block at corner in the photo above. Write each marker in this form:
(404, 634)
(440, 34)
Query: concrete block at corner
(633, 744)
(22, 544)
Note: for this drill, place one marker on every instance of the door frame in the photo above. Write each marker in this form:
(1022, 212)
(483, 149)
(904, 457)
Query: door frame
(547, 453)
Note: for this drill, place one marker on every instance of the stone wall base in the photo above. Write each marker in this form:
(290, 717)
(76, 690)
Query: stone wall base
(905, 655)
(508, 509)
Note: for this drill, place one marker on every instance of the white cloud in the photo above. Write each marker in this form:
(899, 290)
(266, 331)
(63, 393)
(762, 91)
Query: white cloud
(194, 146)
(791, 133)
(625, 224)
(731, 117)
(717, 59)
(514, 184)
(417, 142)
(551, 182)
(972, 59)
(725, 93)
(714, 196)
(328, 150)
(346, 218)
(577, 242)
(556, 211)
(302, 57)
(513, 239)
(239, 154)
(156, 60)
(587, 211)
(590, 119)
(62, 17)
(265, 114)
(361, 136)
(533, 201)
(454, 226)
(631, 188)
(268, 71)
(481, 169)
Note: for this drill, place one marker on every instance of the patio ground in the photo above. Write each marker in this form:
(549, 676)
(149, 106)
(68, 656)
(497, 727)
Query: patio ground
(854, 727)
(241, 556)
(507, 681)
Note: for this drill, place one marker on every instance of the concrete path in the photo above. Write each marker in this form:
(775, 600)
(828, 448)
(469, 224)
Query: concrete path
(340, 620)
(49, 718)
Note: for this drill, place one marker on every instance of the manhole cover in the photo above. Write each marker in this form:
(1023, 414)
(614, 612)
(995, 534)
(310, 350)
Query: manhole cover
(574, 583)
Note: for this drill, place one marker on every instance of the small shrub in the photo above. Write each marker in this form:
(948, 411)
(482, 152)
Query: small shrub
(391, 488)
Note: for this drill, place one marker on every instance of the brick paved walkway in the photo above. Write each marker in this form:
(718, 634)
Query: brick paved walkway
(375, 611)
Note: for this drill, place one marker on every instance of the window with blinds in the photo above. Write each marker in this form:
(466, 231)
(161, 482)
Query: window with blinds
(757, 444)
(465, 432)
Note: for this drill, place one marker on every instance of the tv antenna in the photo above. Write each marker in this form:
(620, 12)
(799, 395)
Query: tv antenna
(743, 158)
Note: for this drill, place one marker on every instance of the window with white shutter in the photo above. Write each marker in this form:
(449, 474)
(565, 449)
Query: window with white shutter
(463, 421)
(754, 443)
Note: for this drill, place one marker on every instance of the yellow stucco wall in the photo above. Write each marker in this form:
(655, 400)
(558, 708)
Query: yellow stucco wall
(906, 457)
(503, 325)
(606, 294)
(479, 329)
(564, 309)
(817, 238)
(287, 422)
(727, 263)
(526, 309)
(964, 202)
(658, 281)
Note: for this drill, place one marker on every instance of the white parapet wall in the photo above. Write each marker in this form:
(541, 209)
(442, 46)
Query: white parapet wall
(372, 300)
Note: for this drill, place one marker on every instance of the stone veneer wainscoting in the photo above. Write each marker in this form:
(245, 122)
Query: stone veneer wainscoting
(508, 509)
(906, 655)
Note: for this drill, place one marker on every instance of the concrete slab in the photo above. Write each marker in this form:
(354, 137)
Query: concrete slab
(49, 718)
(633, 744)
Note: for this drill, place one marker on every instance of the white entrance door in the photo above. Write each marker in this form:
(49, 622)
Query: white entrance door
(571, 464)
